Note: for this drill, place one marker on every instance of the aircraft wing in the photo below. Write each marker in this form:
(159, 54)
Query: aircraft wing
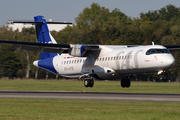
(41, 47)
(73, 49)
(173, 48)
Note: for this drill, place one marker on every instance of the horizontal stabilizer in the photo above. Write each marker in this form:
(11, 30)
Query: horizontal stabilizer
(32, 22)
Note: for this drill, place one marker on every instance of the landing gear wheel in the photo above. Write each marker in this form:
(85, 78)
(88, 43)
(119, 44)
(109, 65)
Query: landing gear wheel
(86, 82)
(89, 82)
(125, 83)
(128, 83)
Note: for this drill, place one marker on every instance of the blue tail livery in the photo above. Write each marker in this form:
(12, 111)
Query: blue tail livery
(44, 36)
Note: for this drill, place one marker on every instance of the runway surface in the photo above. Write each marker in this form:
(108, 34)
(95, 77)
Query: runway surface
(92, 96)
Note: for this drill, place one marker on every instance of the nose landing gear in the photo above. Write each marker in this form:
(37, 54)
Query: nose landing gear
(164, 75)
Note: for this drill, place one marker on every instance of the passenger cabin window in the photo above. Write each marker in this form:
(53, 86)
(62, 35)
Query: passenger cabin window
(157, 51)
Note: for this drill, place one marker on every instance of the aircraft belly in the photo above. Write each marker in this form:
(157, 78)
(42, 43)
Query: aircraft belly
(110, 76)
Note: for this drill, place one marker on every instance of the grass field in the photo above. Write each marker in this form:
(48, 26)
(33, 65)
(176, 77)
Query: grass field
(53, 109)
(78, 86)
(56, 109)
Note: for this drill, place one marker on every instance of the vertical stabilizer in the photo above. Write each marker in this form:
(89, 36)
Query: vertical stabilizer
(44, 36)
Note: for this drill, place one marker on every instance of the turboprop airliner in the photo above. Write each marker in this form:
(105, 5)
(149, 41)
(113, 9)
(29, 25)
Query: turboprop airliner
(108, 62)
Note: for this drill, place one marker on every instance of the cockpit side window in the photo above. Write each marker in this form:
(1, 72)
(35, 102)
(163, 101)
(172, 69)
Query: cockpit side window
(153, 51)
(157, 51)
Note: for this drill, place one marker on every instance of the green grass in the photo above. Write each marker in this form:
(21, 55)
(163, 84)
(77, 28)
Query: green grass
(57, 109)
(78, 86)
(54, 109)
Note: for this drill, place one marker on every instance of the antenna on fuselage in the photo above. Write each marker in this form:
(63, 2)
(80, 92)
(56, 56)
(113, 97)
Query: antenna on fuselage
(152, 43)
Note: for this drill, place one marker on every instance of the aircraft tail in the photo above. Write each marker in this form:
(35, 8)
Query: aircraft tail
(44, 36)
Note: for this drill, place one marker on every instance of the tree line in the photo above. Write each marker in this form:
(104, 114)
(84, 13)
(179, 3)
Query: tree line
(97, 25)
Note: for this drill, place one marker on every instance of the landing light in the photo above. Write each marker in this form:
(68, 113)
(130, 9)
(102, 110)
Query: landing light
(160, 72)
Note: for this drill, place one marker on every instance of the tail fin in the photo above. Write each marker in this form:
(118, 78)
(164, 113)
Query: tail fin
(44, 36)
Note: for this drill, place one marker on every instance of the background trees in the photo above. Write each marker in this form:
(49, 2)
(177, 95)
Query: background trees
(98, 25)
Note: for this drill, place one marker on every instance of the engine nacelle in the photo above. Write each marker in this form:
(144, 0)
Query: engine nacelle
(77, 50)
(81, 50)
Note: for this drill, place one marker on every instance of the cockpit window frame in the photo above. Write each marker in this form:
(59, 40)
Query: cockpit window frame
(157, 51)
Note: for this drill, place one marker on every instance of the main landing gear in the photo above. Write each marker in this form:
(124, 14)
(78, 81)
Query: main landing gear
(89, 82)
(127, 81)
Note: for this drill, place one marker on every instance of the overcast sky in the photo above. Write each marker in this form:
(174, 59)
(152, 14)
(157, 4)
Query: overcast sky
(67, 10)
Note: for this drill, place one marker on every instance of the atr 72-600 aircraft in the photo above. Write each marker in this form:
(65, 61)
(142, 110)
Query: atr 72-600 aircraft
(95, 61)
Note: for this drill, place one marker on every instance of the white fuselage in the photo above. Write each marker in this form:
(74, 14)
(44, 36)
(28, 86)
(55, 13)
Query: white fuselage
(114, 62)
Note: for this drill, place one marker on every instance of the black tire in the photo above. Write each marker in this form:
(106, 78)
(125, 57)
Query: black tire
(123, 83)
(128, 83)
(86, 82)
(91, 83)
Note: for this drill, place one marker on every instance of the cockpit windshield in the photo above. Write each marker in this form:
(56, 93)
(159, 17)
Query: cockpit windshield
(156, 51)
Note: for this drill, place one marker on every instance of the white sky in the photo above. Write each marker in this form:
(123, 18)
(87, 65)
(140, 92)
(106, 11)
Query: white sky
(67, 10)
